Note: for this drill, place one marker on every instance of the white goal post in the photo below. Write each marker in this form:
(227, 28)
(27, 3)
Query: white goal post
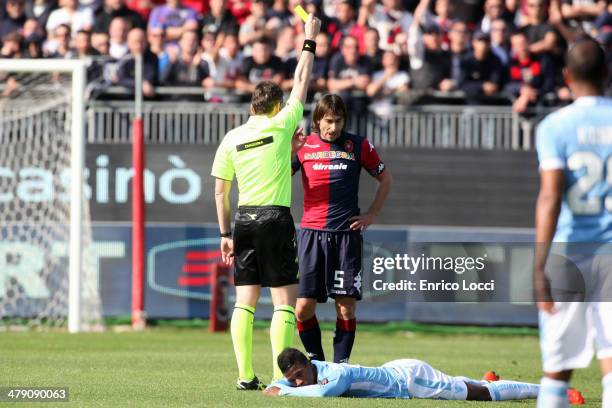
(77, 71)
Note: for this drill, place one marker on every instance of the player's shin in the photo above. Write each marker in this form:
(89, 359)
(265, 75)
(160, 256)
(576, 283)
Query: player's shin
(553, 394)
(310, 334)
(242, 339)
(282, 329)
(344, 339)
(606, 400)
(512, 390)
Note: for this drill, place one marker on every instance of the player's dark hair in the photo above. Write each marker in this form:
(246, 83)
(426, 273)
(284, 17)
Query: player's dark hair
(266, 96)
(586, 63)
(290, 357)
(329, 104)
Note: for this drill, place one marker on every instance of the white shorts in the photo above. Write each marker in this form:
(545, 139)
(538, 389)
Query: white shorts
(568, 336)
(421, 380)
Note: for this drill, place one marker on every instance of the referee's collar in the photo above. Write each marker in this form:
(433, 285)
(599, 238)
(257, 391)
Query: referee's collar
(258, 118)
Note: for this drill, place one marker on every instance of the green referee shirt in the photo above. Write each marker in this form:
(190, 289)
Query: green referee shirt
(258, 153)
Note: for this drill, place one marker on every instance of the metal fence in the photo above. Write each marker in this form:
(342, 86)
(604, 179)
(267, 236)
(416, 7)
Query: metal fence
(435, 126)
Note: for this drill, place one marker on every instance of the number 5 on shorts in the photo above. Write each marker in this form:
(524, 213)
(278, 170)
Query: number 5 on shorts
(339, 279)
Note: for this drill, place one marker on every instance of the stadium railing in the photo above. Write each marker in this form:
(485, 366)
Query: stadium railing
(428, 126)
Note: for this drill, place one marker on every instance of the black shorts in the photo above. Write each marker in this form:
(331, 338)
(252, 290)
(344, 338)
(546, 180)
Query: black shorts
(330, 264)
(265, 250)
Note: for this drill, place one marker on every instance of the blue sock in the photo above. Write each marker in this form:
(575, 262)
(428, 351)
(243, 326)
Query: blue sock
(344, 339)
(310, 334)
(553, 394)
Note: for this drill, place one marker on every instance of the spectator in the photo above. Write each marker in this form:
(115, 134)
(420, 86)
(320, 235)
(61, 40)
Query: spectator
(60, 47)
(14, 19)
(494, 10)
(583, 12)
(285, 45)
(11, 45)
(174, 18)
(101, 43)
(40, 10)
(374, 53)
(320, 66)
(344, 24)
(118, 38)
(113, 9)
(33, 37)
(540, 34)
(256, 27)
(481, 72)
(225, 66)
(261, 66)
(83, 49)
(156, 40)
(459, 38)
(188, 69)
(603, 23)
(71, 14)
(389, 19)
(126, 68)
(444, 18)
(386, 83)
(531, 75)
(291, 63)
(349, 72)
(500, 41)
(219, 19)
(430, 65)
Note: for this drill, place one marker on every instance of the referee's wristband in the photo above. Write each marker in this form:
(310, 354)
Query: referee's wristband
(310, 46)
(226, 234)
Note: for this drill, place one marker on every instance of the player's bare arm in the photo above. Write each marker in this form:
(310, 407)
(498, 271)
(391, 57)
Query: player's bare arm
(222, 192)
(547, 212)
(303, 71)
(363, 221)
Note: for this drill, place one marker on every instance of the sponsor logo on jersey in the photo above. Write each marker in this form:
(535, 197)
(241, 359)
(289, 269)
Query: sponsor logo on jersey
(348, 146)
(329, 155)
(311, 145)
(321, 166)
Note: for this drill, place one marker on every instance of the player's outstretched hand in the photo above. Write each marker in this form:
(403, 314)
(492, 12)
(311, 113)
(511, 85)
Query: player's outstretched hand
(299, 138)
(273, 391)
(312, 27)
(227, 251)
(361, 222)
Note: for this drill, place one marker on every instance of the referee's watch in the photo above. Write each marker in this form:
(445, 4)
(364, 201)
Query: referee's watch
(226, 234)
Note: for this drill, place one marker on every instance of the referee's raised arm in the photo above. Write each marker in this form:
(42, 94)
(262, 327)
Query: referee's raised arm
(303, 71)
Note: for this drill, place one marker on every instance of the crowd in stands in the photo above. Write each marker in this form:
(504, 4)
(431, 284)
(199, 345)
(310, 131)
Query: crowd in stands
(368, 52)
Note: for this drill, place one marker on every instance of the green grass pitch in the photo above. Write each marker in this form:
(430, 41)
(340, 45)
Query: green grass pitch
(164, 367)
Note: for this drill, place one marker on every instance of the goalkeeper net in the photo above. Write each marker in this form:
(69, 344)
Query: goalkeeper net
(47, 271)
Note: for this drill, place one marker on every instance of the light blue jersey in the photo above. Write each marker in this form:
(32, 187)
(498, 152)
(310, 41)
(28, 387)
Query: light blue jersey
(578, 140)
(346, 380)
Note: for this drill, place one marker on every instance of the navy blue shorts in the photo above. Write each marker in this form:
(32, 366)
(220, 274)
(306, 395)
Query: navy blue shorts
(330, 264)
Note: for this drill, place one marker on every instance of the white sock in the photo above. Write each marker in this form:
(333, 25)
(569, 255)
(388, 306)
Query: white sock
(606, 400)
(512, 390)
(553, 394)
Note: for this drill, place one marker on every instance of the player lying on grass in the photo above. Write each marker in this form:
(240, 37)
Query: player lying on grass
(395, 379)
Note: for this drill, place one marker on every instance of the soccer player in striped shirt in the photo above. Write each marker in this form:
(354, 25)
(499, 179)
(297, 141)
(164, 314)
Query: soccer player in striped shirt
(330, 237)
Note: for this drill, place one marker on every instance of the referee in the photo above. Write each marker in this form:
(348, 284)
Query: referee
(263, 246)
